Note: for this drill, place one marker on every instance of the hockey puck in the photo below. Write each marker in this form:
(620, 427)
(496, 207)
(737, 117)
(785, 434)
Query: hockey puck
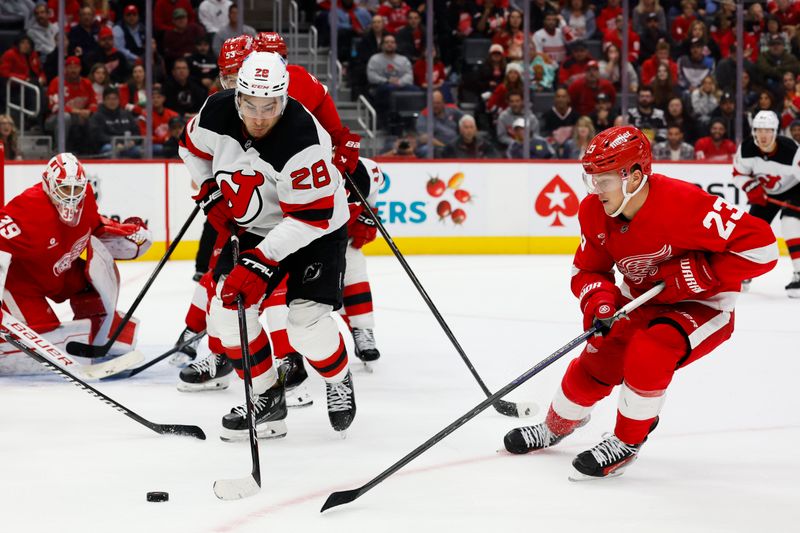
(157, 496)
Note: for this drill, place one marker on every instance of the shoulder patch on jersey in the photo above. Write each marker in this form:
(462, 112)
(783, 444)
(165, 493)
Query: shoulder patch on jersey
(295, 132)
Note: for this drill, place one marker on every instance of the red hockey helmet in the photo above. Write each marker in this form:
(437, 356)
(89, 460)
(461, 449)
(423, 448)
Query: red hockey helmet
(231, 56)
(64, 181)
(618, 148)
(270, 41)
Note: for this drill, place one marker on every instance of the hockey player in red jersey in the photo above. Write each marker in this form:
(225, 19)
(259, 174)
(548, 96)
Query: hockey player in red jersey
(765, 167)
(263, 161)
(652, 228)
(43, 233)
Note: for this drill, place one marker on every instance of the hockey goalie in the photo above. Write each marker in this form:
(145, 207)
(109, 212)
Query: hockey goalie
(43, 234)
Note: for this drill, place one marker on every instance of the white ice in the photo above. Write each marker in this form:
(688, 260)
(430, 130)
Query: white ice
(724, 459)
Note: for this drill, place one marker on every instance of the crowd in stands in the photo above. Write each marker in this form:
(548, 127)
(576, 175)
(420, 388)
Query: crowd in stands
(680, 71)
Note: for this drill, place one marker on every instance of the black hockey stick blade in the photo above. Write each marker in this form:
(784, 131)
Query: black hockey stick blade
(180, 430)
(340, 498)
(133, 371)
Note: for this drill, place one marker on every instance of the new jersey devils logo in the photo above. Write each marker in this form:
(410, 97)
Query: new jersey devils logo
(242, 194)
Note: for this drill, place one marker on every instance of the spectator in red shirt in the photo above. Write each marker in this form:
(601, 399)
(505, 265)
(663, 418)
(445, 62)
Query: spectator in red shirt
(161, 117)
(163, 10)
(512, 83)
(492, 17)
(615, 37)
(132, 95)
(511, 36)
(22, 62)
(786, 11)
(420, 70)
(71, 8)
(583, 91)
(79, 104)
(650, 65)
(681, 23)
(715, 147)
(723, 35)
(395, 13)
(607, 19)
(180, 40)
(576, 64)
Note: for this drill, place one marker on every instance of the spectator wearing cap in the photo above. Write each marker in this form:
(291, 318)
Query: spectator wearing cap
(116, 64)
(180, 41)
(644, 12)
(615, 37)
(539, 148)
(579, 19)
(726, 113)
(647, 117)
(650, 65)
(582, 135)
(694, 67)
(203, 63)
(230, 29)
(79, 103)
(603, 116)
(129, 34)
(82, 35)
(514, 111)
(511, 83)
(445, 122)
(395, 14)
(491, 72)
(576, 64)
(674, 148)
(184, 95)
(42, 32)
(610, 68)
(22, 62)
(794, 130)
(213, 14)
(775, 62)
(550, 39)
(558, 121)
(583, 91)
(411, 37)
(715, 148)
(160, 123)
(468, 144)
(651, 36)
(110, 120)
(163, 13)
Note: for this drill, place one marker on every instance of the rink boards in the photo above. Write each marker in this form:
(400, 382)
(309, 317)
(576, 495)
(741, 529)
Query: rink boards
(442, 207)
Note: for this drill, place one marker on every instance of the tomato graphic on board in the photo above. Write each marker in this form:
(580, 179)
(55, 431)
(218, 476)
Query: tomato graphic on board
(435, 187)
(559, 198)
(462, 195)
(444, 209)
(458, 216)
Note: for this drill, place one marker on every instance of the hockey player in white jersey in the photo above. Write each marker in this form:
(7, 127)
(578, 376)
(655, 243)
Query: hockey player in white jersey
(767, 166)
(263, 161)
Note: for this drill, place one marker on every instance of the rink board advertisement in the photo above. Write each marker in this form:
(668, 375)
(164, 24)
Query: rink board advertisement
(430, 207)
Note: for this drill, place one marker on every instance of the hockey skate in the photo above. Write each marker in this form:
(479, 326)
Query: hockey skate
(270, 413)
(364, 345)
(341, 403)
(793, 288)
(296, 391)
(211, 373)
(530, 438)
(188, 353)
(607, 459)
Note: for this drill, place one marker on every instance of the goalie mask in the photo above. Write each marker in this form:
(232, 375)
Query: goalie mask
(64, 181)
(612, 157)
(768, 122)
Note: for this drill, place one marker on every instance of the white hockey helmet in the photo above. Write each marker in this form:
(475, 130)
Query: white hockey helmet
(766, 120)
(65, 182)
(263, 75)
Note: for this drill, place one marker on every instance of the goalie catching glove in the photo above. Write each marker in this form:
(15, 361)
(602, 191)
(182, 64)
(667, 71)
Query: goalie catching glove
(125, 240)
(252, 277)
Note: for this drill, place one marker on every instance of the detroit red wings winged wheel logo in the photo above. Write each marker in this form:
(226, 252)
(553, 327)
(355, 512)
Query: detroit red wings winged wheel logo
(559, 198)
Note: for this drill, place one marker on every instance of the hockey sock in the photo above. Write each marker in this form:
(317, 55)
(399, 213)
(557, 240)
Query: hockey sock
(280, 343)
(358, 305)
(790, 226)
(260, 356)
(196, 315)
(334, 367)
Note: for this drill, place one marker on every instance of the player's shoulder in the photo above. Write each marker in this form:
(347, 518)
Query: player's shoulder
(295, 132)
(590, 209)
(219, 112)
(787, 150)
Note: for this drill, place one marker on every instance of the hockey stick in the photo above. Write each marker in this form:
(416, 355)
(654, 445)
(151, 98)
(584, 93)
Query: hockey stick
(34, 341)
(89, 350)
(164, 429)
(347, 496)
(236, 489)
(178, 347)
(504, 407)
(785, 205)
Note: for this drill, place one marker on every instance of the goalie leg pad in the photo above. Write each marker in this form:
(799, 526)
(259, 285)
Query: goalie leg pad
(102, 274)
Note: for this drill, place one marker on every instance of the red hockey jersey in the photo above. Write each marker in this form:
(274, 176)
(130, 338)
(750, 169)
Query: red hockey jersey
(314, 96)
(42, 247)
(677, 217)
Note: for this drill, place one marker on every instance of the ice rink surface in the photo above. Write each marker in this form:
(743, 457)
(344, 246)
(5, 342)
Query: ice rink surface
(724, 458)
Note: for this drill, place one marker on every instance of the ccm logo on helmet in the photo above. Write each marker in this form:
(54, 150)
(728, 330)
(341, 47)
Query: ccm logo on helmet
(620, 139)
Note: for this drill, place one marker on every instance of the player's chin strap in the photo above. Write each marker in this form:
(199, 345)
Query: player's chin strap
(628, 195)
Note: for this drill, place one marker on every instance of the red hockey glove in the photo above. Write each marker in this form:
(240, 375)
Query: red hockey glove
(598, 302)
(127, 240)
(214, 205)
(756, 194)
(685, 277)
(362, 230)
(345, 150)
(250, 278)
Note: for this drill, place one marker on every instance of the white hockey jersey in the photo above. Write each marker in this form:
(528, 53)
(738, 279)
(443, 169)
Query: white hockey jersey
(777, 172)
(283, 186)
